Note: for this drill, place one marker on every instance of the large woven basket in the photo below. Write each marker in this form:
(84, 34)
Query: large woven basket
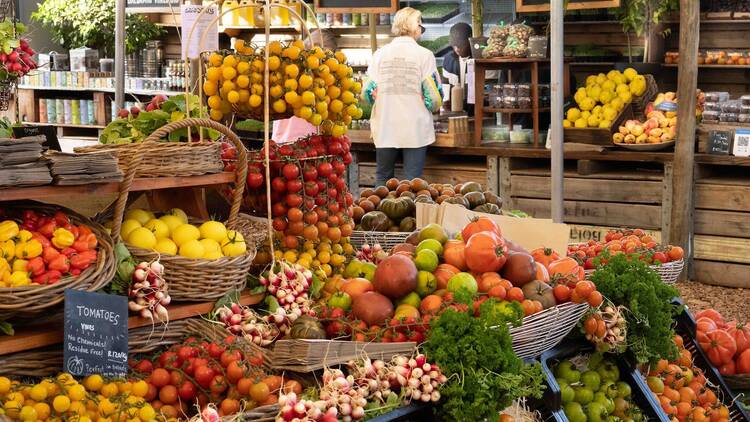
(668, 272)
(386, 240)
(44, 362)
(31, 300)
(543, 331)
(194, 280)
(166, 159)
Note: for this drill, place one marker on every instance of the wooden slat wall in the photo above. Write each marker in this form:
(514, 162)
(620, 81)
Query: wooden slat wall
(433, 173)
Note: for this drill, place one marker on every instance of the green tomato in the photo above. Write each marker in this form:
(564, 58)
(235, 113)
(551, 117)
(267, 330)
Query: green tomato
(567, 393)
(367, 270)
(591, 379)
(595, 360)
(583, 395)
(340, 300)
(426, 283)
(574, 412)
(623, 389)
(596, 412)
(608, 371)
(412, 299)
(567, 371)
(352, 269)
(432, 245)
(426, 260)
(601, 397)
(609, 388)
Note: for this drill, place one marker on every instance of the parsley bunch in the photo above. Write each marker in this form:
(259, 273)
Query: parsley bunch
(484, 374)
(629, 282)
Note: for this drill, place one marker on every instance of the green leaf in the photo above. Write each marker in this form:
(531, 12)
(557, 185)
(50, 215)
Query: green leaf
(316, 287)
(271, 303)
(230, 297)
(6, 328)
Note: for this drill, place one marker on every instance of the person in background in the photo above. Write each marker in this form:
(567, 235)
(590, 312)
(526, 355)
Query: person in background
(293, 128)
(405, 90)
(461, 49)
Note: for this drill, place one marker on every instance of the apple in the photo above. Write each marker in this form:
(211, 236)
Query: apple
(623, 130)
(637, 130)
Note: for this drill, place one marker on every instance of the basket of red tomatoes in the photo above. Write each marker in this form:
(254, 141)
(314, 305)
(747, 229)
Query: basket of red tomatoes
(666, 260)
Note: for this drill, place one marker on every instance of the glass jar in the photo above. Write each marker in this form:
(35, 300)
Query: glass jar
(523, 90)
(510, 90)
(510, 102)
(524, 102)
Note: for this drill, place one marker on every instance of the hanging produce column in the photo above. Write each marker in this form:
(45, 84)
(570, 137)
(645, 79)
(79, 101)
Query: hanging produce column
(315, 85)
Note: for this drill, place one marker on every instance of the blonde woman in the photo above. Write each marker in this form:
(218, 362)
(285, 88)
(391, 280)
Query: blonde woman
(405, 90)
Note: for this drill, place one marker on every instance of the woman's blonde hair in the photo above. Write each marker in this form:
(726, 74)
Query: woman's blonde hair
(406, 22)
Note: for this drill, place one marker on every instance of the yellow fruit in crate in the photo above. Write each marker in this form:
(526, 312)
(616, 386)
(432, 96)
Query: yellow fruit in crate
(243, 81)
(192, 249)
(313, 62)
(316, 119)
(276, 91)
(608, 85)
(291, 52)
(215, 59)
(185, 233)
(291, 97)
(573, 114)
(274, 47)
(617, 103)
(612, 74)
(273, 63)
(213, 230)
(618, 138)
(593, 92)
(244, 96)
(77, 392)
(216, 115)
(348, 97)
(619, 79)
(243, 68)
(142, 238)
(305, 113)
(4, 386)
(596, 110)
(566, 124)
(305, 81)
(626, 97)
(336, 106)
(585, 105)
(127, 227)
(233, 97)
(606, 96)
(605, 124)
(38, 392)
(622, 88)
(158, 228)
(228, 73)
(178, 213)
(290, 255)
(630, 74)
(601, 78)
(308, 98)
(608, 112)
(591, 79)
(214, 102)
(593, 121)
(638, 87)
(581, 123)
(211, 249)
(166, 246)
(291, 70)
(61, 404)
(142, 216)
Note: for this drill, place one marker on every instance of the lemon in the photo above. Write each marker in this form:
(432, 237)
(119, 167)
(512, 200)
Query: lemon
(606, 96)
(629, 74)
(585, 105)
(178, 213)
(128, 226)
(192, 249)
(566, 123)
(214, 230)
(605, 124)
(593, 92)
(142, 238)
(141, 216)
(158, 227)
(580, 123)
(573, 114)
(166, 246)
(185, 233)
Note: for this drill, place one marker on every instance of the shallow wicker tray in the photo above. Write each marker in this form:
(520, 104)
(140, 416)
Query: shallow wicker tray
(543, 331)
(386, 240)
(668, 272)
(31, 300)
(311, 355)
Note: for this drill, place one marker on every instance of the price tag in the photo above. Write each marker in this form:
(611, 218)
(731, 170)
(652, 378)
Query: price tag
(193, 20)
(95, 334)
(741, 146)
(720, 142)
(49, 132)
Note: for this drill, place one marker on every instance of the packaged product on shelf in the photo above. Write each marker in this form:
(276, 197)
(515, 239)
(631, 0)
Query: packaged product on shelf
(717, 96)
(496, 96)
(510, 102)
(510, 90)
(60, 105)
(524, 90)
(68, 111)
(42, 110)
(711, 116)
(732, 106)
(524, 102)
(744, 118)
(745, 99)
(725, 117)
(75, 112)
(712, 106)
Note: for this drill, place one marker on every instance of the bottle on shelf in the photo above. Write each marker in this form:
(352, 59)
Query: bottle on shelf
(246, 15)
(231, 18)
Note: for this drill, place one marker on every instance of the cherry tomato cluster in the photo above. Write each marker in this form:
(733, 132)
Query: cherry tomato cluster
(627, 241)
(207, 372)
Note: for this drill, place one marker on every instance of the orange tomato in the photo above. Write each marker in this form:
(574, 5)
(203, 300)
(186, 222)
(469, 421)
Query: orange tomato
(273, 382)
(168, 394)
(430, 304)
(229, 406)
(595, 299)
(516, 294)
(259, 392)
(293, 386)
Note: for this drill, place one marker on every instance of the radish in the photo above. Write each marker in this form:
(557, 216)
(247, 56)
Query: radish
(148, 291)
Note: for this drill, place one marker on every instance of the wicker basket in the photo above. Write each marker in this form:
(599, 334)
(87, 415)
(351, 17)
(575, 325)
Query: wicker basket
(259, 414)
(386, 240)
(738, 382)
(668, 272)
(543, 331)
(195, 280)
(166, 159)
(31, 300)
(45, 362)
(310, 355)
(640, 103)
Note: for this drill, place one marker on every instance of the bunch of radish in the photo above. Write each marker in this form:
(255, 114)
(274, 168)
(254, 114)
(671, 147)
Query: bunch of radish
(293, 408)
(290, 285)
(148, 292)
(20, 60)
(341, 392)
(374, 253)
(606, 328)
(372, 378)
(241, 320)
(418, 379)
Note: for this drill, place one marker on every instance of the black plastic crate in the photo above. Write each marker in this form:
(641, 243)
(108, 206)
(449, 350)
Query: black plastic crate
(641, 395)
(686, 328)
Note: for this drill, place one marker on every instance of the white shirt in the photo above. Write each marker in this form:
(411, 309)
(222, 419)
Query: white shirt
(399, 117)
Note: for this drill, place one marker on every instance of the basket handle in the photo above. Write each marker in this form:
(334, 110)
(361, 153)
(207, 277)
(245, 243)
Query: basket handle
(239, 183)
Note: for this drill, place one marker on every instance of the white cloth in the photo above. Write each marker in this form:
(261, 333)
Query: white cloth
(467, 67)
(399, 117)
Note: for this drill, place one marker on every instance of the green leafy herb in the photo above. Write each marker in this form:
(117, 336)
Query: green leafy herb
(230, 297)
(6, 328)
(124, 273)
(476, 353)
(629, 282)
(375, 408)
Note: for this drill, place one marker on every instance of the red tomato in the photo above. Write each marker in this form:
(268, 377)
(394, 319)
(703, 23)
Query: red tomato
(230, 356)
(278, 184)
(311, 188)
(203, 376)
(480, 224)
(743, 362)
(293, 200)
(324, 169)
(741, 334)
(728, 368)
(485, 252)
(169, 360)
(160, 377)
(187, 391)
(562, 293)
(310, 173)
(294, 186)
(254, 180)
(339, 167)
(661, 257)
(675, 253)
(290, 171)
(719, 346)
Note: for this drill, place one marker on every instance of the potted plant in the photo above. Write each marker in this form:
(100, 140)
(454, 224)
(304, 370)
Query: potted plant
(643, 18)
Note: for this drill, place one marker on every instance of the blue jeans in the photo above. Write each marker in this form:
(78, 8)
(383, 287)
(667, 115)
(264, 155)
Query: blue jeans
(386, 163)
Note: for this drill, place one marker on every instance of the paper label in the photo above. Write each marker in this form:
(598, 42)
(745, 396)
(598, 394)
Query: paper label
(193, 20)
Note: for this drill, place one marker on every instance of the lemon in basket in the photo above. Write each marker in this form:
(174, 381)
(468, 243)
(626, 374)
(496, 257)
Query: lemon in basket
(139, 215)
(192, 249)
(142, 238)
(213, 230)
(172, 222)
(158, 228)
(185, 233)
(127, 227)
(234, 244)
(166, 246)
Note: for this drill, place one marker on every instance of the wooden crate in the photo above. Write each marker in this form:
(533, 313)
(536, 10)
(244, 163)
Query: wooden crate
(703, 133)
(455, 172)
(597, 136)
(459, 134)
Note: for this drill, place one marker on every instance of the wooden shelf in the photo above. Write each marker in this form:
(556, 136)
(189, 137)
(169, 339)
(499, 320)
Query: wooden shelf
(714, 66)
(139, 184)
(257, 30)
(722, 160)
(53, 334)
(511, 60)
(111, 90)
(65, 125)
(514, 110)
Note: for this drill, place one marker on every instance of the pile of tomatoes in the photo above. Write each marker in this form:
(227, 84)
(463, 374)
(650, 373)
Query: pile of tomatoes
(727, 344)
(683, 391)
(208, 372)
(627, 241)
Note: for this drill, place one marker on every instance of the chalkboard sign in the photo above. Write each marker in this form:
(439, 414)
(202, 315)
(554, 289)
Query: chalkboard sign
(153, 6)
(49, 132)
(543, 5)
(95, 334)
(720, 142)
(356, 6)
